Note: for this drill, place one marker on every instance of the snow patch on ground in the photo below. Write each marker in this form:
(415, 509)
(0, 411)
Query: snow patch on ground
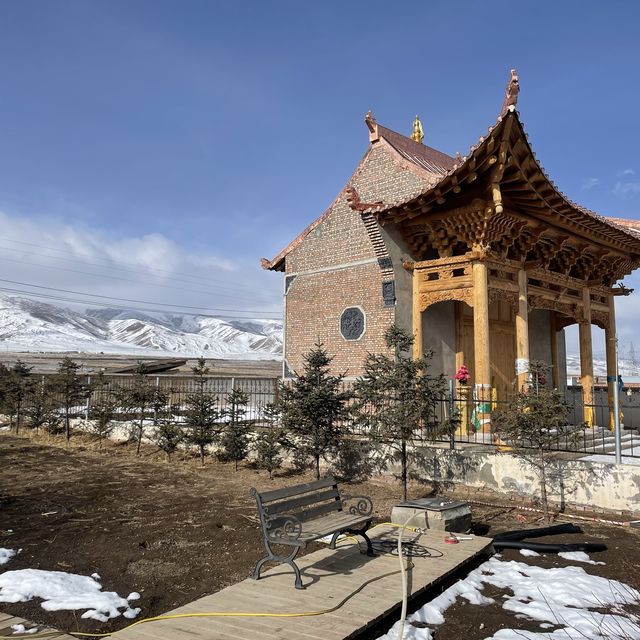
(20, 628)
(6, 555)
(60, 590)
(563, 597)
(528, 553)
(578, 556)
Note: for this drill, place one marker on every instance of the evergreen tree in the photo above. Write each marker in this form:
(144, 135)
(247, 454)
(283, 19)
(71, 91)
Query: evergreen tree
(396, 399)
(314, 408)
(202, 416)
(104, 407)
(4, 388)
(69, 388)
(169, 434)
(271, 439)
(140, 398)
(42, 410)
(18, 388)
(235, 438)
(532, 423)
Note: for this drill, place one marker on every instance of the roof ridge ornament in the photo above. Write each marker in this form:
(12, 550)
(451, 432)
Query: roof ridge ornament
(372, 125)
(417, 134)
(511, 94)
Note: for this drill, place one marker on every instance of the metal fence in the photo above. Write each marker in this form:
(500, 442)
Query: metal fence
(173, 392)
(473, 416)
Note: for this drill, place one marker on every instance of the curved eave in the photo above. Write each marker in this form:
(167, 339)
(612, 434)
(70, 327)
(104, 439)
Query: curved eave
(523, 184)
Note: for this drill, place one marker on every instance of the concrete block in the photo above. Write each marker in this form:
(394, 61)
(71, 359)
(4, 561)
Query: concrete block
(440, 514)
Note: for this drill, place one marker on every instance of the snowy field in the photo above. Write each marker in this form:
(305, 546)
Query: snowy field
(60, 591)
(566, 602)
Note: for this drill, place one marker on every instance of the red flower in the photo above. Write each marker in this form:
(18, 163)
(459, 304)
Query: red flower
(462, 375)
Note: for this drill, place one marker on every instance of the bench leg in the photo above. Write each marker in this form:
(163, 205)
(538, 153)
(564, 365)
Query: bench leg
(370, 552)
(274, 558)
(354, 532)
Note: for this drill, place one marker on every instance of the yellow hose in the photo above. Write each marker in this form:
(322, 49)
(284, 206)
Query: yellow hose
(228, 614)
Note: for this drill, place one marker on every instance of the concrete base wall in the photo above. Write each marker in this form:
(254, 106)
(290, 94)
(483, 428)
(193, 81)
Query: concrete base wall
(591, 485)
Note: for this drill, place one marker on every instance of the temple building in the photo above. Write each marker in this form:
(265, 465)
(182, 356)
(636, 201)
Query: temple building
(480, 257)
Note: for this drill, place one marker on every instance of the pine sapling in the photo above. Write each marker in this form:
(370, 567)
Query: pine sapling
(397, 397)
(270, 440)
(202, 417)
(315, 408)
(235, 439)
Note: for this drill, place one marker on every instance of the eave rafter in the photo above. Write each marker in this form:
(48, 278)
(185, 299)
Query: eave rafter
(523, 216)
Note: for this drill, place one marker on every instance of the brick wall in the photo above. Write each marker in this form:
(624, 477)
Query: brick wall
(321, 290)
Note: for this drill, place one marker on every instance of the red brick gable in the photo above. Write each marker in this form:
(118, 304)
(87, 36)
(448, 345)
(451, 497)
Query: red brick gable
(426, 163)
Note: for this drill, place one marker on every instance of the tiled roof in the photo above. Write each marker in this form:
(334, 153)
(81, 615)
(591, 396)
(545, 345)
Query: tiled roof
(427, 158)
(632, 226)
(459, 165)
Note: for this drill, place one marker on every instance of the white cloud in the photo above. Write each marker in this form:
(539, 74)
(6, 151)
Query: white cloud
(625, 189)
(151, 267)
(589, 183)
(625, 172)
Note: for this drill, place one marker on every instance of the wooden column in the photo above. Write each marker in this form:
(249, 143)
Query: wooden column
(586, 358)
(482, 364)
(611, 351)
(522, 333)
(417, 316)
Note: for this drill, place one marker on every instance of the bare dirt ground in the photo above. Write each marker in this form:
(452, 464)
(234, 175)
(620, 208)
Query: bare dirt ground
(175, 532)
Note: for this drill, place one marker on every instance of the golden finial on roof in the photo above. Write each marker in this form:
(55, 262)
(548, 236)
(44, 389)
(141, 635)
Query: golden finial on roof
(418, 133)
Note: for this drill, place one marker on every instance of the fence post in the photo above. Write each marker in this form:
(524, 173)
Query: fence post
(452, 408)
(88, 404)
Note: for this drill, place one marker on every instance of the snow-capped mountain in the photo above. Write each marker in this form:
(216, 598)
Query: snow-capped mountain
(27, 325)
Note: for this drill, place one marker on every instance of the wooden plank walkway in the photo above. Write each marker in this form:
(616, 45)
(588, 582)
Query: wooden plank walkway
(5, 628)
(329, 576)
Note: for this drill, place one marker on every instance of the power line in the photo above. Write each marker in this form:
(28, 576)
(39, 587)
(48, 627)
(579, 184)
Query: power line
(97, 295)
(101, 275)
(129, 266)
(92, 303)
(135, 268)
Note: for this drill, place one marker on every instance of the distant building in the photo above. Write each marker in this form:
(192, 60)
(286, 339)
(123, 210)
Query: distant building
(481, 258)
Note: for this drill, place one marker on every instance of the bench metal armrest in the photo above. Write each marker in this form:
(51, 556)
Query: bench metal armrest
(357, 505)
(284, 528)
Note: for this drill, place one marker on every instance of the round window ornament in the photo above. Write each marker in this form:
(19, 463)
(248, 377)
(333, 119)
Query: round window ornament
(352, 323)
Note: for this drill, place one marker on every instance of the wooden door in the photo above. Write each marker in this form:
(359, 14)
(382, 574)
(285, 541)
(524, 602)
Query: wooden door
(502, 346)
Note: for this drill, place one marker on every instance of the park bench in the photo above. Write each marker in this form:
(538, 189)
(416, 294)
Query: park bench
(297, 515)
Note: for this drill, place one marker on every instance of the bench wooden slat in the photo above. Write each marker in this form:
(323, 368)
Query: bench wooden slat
(311, 498)
(322, 527)
(287, 492)
(315, 512)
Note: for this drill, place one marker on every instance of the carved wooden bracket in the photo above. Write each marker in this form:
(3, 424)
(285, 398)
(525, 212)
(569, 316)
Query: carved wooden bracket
(502, 294)
(570, 310)
(429, 298)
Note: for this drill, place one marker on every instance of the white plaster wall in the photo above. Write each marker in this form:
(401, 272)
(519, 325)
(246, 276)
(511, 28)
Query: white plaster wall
(562, 358)
(593, 485)
(439, 334)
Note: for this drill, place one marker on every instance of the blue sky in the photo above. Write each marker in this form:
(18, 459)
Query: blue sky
(195, 137)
